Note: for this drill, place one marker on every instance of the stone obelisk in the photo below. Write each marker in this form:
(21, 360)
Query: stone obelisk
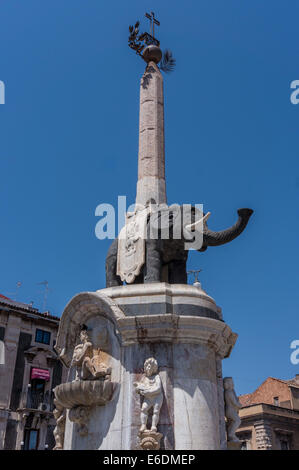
(151, 154)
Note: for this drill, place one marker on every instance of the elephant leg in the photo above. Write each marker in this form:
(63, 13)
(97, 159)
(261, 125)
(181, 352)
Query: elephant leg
(111, 261)
(153, 263)
(177, 272)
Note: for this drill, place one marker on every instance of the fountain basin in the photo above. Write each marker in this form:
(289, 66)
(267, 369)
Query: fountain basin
(84, 393)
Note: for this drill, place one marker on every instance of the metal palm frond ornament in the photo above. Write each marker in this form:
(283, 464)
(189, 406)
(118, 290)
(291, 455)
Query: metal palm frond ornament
(167, 62)
(148, 47)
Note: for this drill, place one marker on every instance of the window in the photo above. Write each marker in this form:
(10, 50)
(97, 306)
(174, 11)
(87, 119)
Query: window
(31, 439)
(35, 395)
(42, 336)
(245, 438)
(244, 445)
(276, 401)
(38, 386)
(284, 444)
(283, 439)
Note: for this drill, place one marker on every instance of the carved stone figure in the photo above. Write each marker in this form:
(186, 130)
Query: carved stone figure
(150, 440)
(86, 359)
(80, 415)
(59, 415)
(150, 387)
(92, 386)
(160, 255)
(232, 405)
(131, 246)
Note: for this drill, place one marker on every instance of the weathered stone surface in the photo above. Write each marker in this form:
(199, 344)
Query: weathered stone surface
(232, 407)
(196, 422)
(131, 246)
(150, 440)
(264, 435)
(221, 406)
(188, 350)
(150, 388)
(151, 159)
(84, 392)
(161, 297)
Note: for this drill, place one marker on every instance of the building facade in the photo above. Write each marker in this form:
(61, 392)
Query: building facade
(270, 416)
(29, 370)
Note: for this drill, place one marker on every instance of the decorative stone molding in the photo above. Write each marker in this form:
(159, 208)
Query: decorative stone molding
(41, 354)
(161, 292)
(225, 342)
(150, 440)
(78, 311)
(80, 415)
(144, 328)
(131, 245)
(84, 392)
(263, 435)
(174, 328)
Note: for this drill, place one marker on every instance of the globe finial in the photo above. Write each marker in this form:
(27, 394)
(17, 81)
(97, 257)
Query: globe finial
(147, 45)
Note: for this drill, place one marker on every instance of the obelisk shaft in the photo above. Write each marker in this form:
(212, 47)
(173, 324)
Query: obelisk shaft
(151, 156)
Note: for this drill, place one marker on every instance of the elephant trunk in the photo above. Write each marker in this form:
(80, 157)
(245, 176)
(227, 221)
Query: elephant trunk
(211, 238)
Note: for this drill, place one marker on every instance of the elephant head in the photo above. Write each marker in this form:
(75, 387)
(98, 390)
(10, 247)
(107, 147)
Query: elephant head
(211, 238)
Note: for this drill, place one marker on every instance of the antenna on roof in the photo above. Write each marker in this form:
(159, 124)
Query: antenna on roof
(47, 290)
(15, 294)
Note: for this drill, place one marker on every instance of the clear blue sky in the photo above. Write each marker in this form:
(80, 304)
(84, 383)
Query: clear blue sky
(69, 140)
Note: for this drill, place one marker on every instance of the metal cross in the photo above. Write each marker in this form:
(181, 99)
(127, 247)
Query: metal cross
(153, 21)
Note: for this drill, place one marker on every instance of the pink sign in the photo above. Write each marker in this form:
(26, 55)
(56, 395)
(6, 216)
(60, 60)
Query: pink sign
(42, 374)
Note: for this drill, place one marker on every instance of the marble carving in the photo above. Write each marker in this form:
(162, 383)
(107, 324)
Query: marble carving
(86, 359)
(131, 246)
(150, 388)
(91, 386)
(59, 415)
(232, 406)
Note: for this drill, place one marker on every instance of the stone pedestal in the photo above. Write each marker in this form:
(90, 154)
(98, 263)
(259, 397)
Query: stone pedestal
(182, 328)
(234, 445)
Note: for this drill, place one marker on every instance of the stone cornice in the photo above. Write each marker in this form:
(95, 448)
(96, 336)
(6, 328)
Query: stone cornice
(143, 328)
(178, 329)
(159, 288)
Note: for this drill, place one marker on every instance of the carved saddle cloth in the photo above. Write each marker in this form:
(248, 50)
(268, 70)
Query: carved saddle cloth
(131, 245)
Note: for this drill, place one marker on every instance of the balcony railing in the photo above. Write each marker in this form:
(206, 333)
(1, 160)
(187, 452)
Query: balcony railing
(39, 400)
(34, 399)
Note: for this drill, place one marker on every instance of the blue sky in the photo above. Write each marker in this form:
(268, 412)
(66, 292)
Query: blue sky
(69, 141)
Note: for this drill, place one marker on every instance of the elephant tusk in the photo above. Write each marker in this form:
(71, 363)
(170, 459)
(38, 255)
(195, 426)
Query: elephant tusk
(194, 225)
